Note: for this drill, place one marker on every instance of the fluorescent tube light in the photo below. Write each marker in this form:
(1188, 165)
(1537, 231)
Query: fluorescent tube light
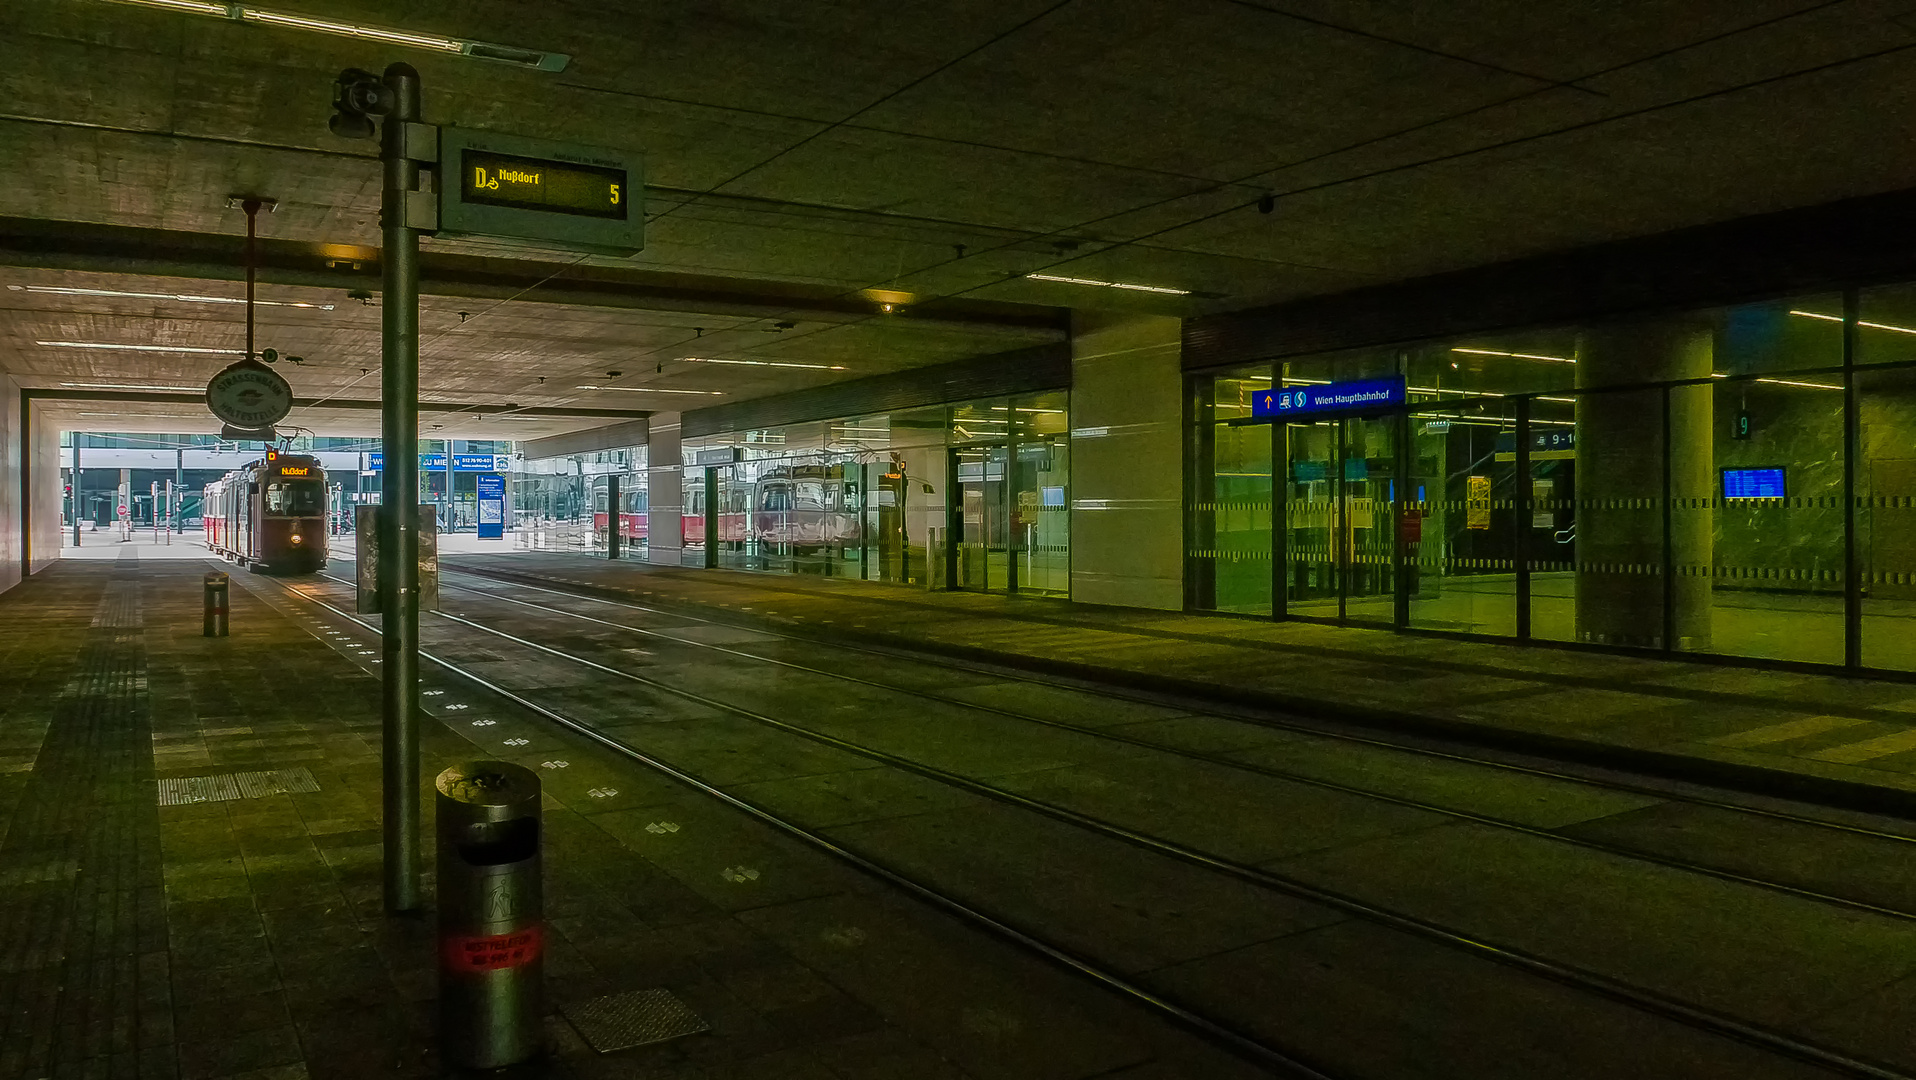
(140, 348)
(129, 386)
(185, 298)
(761, 363)
(652, 390)
(1517, 355)
(1131, 286)
(1859, 322)
(482, 50)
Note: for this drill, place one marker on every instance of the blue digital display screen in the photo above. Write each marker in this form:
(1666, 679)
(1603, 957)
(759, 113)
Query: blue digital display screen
(1753, 483)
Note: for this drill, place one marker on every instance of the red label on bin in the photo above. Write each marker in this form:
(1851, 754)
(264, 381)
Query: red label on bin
(477, 955)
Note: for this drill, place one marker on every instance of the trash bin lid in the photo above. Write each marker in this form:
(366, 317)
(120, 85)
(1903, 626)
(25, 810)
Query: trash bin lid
(488, 783)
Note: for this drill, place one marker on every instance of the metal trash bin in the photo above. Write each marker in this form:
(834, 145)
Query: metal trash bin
(213, 605)
(491, 909)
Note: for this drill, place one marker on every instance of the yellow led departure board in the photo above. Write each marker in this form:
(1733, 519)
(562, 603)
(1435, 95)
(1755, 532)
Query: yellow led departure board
(561, 187)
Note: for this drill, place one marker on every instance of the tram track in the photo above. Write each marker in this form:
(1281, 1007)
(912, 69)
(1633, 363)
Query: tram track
(1584, 980)
(1272, 772)
(1275, 719)
(1220, 1034)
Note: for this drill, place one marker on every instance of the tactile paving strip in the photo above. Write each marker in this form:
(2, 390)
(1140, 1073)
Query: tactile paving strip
(183, 791)
(634, 1018)
(255, 785)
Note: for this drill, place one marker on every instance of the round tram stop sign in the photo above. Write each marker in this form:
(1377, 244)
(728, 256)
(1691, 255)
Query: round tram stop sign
(249, 395)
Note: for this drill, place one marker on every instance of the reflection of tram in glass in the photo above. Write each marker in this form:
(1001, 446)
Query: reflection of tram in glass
(632, 515)
(799, 507)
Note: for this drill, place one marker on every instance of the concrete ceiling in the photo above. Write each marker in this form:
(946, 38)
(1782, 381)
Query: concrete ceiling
(924, 148)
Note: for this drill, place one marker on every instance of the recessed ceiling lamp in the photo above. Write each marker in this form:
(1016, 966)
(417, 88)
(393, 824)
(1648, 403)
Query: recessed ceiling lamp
(185, 298)
(128, 386)
(761, 363)
(139, 348)
(505, 54)
(1517, 355)
(1859, 322)
(1131, 286)
(651, 390)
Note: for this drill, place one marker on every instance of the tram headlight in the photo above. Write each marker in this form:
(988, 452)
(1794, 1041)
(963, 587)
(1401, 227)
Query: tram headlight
(298, 539)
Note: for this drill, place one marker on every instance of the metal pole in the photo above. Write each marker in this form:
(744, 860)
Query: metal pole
(79, 492)
(179, 487)
(399, 499)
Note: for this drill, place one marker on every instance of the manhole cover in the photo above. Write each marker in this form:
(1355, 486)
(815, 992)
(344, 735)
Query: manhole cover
(634, 1018)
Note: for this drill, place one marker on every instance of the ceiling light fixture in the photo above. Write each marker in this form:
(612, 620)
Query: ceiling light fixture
(1517, 355)
(140, 348)
(652, 390)
(1859, 322)
(129, 386)
(185, 298)
(761, 363)
(1782, 382)
(1131, 286)
(481, 50)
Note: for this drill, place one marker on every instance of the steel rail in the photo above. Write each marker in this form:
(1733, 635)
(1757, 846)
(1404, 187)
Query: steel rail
(1236, 1042)
(1618, 850)
(1223, 710)
(1640, 998)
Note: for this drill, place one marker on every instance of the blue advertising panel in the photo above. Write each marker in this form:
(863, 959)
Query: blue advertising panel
(1358, 395)
(460, 462)
(492, 507)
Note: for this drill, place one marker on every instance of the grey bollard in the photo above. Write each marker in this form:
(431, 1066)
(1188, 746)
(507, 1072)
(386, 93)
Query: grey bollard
(213, 616)
(491, 912)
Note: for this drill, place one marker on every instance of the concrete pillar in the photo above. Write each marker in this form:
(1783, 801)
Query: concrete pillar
(1127, 455)
(665, 490)
(1620, 462)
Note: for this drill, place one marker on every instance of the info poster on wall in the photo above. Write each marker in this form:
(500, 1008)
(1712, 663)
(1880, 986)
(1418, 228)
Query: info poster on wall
(492, 507)
(1477, 503)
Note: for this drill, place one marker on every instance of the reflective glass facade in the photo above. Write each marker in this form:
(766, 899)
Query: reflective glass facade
(971, 496)
(1735, 481)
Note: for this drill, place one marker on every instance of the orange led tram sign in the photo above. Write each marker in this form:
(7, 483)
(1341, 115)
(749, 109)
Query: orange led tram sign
(540, 192)
(530, 184)
(294, 470)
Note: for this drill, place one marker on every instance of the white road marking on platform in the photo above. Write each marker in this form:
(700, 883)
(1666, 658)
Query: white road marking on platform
(1851, 753)
(1792, 729)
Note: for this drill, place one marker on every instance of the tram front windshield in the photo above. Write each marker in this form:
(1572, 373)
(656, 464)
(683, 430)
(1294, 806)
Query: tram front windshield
(296, 498)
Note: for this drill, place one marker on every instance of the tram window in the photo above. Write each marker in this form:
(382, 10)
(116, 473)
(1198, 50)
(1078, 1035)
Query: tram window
(776, 498)
(300, 498)
(810, 495)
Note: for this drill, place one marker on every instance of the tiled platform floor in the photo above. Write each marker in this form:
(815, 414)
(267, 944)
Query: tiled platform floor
(247, 938)
(1721, 721)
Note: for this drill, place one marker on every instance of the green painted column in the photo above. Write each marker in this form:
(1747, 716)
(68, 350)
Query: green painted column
(1621, 573)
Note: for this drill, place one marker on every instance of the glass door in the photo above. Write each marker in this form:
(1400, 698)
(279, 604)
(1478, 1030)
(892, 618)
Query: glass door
(1340, 553)
(981, 530)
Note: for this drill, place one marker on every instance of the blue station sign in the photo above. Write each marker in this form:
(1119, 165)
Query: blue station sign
(1358, 395)
(486, 463)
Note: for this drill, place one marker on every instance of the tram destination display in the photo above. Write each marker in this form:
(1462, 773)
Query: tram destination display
(501, 180)
(534, 191)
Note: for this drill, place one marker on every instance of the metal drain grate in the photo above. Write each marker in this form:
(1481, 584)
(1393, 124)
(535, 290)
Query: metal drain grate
(184, 791)
(634, 1018)
(198, 789)
(257, 785)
